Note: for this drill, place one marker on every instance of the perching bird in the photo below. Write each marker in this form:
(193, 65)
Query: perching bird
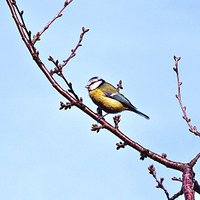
(108, 98)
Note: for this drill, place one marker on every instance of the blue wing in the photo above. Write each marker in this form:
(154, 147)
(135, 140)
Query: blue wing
(121, 98)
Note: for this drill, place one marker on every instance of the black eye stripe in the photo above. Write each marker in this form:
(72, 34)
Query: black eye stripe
(92, 82)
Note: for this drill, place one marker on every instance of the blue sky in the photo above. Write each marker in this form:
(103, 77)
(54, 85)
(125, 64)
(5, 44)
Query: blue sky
(50, 154)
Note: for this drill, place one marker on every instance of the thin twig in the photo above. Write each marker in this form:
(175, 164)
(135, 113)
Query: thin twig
(116, 120)
(192, 128)
(119, 85)
(79, 44)
(175, 196)
(194, 160)
(160, 185)
(59, 67)
(37, 36)
(120, 145)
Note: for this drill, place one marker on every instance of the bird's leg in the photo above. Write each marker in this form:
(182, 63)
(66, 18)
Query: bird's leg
(99, 112)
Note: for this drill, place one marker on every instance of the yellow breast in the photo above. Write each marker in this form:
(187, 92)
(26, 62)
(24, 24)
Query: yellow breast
(107, 104)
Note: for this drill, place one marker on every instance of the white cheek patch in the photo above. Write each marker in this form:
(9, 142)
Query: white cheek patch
(95, 85)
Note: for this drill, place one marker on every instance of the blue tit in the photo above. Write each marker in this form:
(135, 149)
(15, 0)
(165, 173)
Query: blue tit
(108, 98)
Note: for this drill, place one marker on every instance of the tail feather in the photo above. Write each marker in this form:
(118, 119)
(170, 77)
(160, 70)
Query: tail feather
(141, 114)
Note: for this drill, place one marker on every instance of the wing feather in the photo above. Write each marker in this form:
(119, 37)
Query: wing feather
(121, 98)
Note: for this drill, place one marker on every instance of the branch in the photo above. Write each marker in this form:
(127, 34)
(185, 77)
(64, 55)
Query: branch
(37, 36)
(160, 185)
(194, 160)
(79, 104)
(192, 128)
(74, 100)
(73, 51)
(59, 67)
(188, 183)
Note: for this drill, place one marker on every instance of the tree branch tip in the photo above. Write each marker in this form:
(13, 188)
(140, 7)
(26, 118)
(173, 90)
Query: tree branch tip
(96, 127)
(29, 33)
(176, 179)
(67, 2)
(164, 155)
(65, 106)
(120, 145)
(177, 58)
(84, 30)
(117, 117)
(119, 85)
(194, 160)
(50, 58)
(70, 84)
(13, 2)
(57, 64)
(160, 183)
(152, 170)
(116, 120)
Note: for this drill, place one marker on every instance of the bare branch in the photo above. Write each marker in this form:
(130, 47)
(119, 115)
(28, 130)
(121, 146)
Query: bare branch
(79, 44)
(175, 196)
(192, 128)
(160, 185)
(116, 119)
(59, 67)
(96, 127)
(194, 160)
(188, 183)
(74, 100)
(65, 106)
(120, 145)
(119, 85)
(37, 36)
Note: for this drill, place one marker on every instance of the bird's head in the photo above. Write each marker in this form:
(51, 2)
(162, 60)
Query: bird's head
(94, 83)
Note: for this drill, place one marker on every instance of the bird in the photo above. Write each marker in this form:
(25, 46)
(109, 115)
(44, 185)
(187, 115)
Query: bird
(108, 98)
